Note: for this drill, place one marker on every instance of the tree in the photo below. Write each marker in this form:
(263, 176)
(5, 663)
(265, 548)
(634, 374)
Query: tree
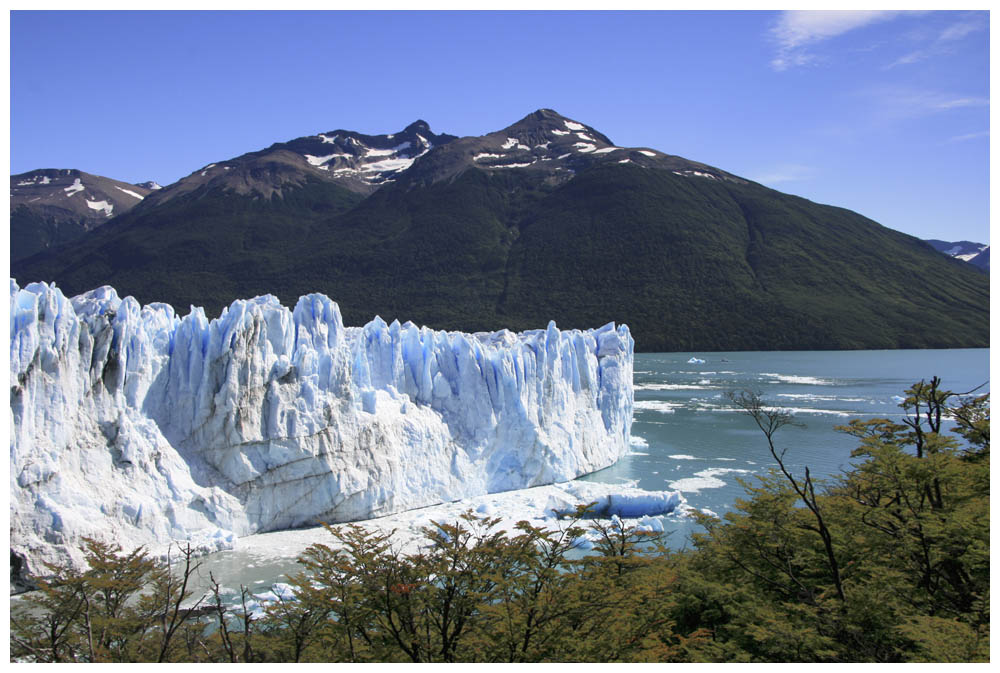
(770, 420)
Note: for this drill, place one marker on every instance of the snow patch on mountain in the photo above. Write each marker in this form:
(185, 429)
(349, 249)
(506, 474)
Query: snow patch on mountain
(398, 164)
(101, 205)
(319, 161)
(372, 152)
(77, 186)
(573, 126)
(130, 192)
(133, 424)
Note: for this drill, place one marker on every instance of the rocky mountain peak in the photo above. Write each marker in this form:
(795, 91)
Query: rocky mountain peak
(419, 126)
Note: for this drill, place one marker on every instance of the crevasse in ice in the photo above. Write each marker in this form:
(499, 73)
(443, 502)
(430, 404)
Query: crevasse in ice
(133, 424)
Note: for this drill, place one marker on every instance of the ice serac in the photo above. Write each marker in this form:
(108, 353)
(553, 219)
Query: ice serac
(132, 423)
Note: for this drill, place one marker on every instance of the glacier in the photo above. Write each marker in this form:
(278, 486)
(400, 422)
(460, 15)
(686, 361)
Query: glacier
(133, 424)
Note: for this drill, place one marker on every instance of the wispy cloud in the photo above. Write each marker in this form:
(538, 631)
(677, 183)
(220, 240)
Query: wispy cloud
(798, 31)
(969, 136)
(782, 173)
(944, 41)
(896, 102)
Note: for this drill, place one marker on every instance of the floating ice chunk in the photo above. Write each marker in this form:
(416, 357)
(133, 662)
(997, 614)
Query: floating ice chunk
(696, 361)
(802, 380)
(704, 479)
(658, 405)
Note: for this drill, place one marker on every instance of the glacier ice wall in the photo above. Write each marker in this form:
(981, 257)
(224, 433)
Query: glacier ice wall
(132, 423)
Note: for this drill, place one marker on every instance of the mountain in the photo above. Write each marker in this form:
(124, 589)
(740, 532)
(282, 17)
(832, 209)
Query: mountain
(545, 219)
(50, 207)
(352, 161)
(976, 254)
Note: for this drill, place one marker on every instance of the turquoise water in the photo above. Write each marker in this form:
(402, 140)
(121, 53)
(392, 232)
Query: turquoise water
(696, 443)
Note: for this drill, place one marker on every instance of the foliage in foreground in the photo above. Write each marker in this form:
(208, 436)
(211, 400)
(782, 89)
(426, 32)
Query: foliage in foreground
(889, 562)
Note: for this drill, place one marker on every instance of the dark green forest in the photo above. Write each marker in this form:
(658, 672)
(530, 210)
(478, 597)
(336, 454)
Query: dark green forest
(687, 263)
(886, 562)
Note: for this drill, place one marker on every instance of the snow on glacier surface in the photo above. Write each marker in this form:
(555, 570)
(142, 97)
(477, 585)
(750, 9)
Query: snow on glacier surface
(133, 423)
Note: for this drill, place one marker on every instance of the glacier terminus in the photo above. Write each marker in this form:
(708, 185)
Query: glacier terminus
(134, 424)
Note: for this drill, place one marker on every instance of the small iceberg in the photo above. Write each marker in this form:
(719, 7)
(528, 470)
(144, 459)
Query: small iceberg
(696, 361)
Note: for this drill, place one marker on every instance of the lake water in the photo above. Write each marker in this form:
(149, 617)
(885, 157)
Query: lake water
(699, 445)
(687, 436)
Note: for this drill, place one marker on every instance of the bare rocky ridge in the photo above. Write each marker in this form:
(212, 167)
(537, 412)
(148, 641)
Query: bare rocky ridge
(361, 163)
(554, 147)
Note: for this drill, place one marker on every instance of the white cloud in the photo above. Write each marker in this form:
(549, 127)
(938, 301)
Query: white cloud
(958, 30)
(969, 136)
(903, 102)
(798, 30)
(959, 102)
(944, 41)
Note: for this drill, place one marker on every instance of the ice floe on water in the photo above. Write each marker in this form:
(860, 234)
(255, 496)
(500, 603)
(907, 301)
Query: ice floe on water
(658, 405)
(682, 456)
(808, 397)
(704, 479)
(671, 386)
(800, 380)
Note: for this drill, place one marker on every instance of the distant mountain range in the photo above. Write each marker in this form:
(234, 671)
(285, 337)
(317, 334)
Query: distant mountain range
(51, 206)
(977, 254)
(545, 219)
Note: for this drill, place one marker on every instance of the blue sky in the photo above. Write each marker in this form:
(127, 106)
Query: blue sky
(884, 113)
